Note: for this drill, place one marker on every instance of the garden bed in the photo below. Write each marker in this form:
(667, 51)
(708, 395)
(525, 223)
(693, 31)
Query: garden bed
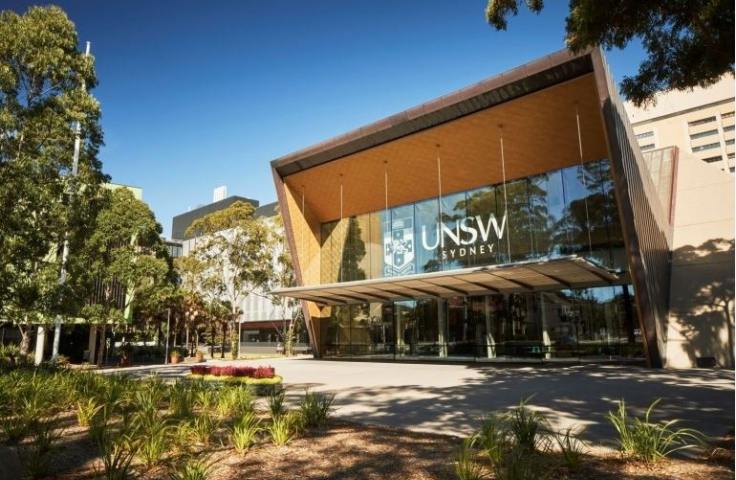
(263, 379)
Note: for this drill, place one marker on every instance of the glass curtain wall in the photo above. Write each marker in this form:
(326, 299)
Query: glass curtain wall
(571, 211)
(589, 324)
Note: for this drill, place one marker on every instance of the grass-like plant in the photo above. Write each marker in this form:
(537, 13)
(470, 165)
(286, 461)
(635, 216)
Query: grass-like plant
(38, 458)
(316, 409)
(649, 441)
(192, 468)
(87, 410)
(465, 465)
(493, 437)
(201, 429)
(519, 464)
(244, 433)
(182, 397)
(276, 405)
(153, 441)
(117, 454)
(206, 398)
(281, 430)
(14, 427)
(526, 426)
(571, 447)
(235, 400)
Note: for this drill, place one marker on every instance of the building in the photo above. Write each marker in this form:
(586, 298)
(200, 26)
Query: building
(699, 122)
(260, 319)
(513, 220)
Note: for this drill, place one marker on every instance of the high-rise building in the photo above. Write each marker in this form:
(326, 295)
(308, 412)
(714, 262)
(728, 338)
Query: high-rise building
(699, 122)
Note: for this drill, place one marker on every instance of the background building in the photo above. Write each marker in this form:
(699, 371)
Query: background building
(698, 122)
(260, 318)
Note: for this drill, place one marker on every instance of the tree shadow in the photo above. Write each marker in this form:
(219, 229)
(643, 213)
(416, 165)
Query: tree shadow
(703, 300)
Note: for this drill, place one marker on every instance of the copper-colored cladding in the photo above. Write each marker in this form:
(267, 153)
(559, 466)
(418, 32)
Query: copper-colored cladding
(539, 134)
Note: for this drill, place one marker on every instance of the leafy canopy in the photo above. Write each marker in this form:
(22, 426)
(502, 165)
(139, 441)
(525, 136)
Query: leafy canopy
(689, 42)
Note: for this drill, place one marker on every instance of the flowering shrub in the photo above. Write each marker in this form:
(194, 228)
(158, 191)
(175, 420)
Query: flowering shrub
(230, 371)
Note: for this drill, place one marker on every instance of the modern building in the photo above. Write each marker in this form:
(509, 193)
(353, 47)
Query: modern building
(699, 122)
(512, 220)
(260, 320)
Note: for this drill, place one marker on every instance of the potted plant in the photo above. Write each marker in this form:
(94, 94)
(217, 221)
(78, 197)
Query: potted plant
(126, 354)
(175, 356)
(199, 356)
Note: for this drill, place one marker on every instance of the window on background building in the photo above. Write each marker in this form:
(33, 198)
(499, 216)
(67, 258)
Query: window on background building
(731, 169)
(729, 142)
(701, 121)
(708, 146)
(704, 134)
(727, 115)
(730, 155)
(728, 128)
(645, 134)
(712, 159)
(648, 146)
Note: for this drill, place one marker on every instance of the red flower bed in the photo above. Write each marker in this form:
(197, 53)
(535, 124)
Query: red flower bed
(260, 372)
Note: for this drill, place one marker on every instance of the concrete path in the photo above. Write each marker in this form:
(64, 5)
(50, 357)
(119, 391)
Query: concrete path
(450, 398)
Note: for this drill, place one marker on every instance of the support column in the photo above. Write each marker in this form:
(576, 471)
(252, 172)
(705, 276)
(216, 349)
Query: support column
(442, 325)
(92, 346)
(545, 332)
(40, 344)
(490, 341)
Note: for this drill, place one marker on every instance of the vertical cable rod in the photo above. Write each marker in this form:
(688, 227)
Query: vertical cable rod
(505, 198)
(344, 237)
(585, 182)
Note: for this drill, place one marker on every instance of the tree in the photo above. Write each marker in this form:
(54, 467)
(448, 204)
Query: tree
(42, 75)
(122, 259)
(689, 42)
(232, 258)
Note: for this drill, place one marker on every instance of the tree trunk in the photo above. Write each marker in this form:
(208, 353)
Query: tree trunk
(212, 343)
(224, 340)
(102, 350)
(25, 342)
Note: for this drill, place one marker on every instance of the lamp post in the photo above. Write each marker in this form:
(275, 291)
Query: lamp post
(168, 334)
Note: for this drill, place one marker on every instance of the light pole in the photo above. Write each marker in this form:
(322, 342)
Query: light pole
(168, 334)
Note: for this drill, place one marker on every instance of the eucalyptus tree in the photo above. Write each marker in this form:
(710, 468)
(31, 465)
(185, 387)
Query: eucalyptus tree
(42, 80)
(689, 43)
(123, 259)
(233, 255)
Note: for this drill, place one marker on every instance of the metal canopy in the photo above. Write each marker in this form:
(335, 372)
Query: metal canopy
(519, 277)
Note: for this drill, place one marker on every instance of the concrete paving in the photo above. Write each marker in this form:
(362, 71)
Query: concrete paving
(449, 399)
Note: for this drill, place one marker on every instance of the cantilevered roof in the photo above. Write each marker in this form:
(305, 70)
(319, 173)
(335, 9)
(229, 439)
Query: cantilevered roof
(530, 276)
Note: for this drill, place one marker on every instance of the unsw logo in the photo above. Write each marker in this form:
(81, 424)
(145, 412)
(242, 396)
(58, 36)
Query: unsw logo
(398, 248)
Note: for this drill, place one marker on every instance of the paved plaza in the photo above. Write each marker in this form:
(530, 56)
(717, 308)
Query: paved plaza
(449, 399)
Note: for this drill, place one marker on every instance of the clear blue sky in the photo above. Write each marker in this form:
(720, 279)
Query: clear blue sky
(197, 94)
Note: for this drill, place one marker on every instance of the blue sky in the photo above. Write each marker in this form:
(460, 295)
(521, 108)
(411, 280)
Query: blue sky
(197, 94)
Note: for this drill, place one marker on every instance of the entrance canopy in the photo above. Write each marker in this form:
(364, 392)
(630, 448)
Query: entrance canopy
(531, 276)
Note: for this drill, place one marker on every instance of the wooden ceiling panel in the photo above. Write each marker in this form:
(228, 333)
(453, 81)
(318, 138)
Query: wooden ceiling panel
(539, 134)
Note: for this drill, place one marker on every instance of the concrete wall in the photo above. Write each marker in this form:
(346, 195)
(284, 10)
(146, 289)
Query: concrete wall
(701, 317)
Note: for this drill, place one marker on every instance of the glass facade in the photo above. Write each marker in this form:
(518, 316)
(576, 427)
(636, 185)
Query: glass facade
(571, 211)
(592, 324)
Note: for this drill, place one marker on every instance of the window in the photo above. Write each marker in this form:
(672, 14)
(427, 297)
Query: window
(702, 121)
(648, 146)
(730, 155)
(727, 115)
(731, 169)
(729, 142)
(728, 128)
(712, 159)
(645, 134)
(707, 147)
(703, 134)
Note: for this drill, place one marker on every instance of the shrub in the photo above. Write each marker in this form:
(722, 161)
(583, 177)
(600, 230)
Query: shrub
(465, 465)
(230, 371)
(244, 433)
(650, 441)
(316, 409)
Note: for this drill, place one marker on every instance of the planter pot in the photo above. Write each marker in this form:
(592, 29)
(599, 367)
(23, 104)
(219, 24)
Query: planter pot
(175, 359)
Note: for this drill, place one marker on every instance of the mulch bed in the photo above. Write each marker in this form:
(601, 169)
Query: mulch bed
(351, 451)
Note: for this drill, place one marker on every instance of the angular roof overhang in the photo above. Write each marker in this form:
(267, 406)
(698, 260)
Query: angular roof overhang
(519, 277)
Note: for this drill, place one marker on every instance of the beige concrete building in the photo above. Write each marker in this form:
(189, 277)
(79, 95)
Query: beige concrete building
(698, 122)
